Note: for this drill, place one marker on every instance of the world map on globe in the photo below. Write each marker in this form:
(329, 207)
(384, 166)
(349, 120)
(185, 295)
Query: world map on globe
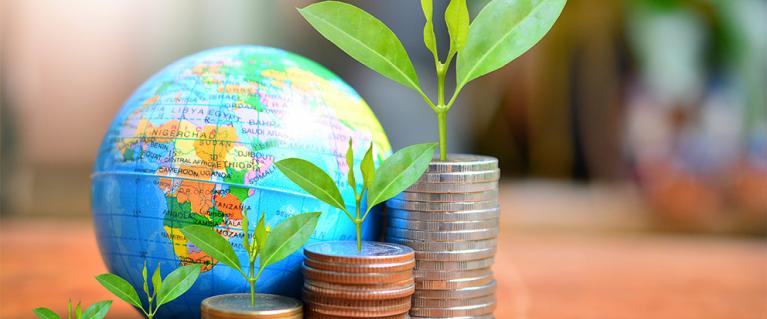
(196, 144)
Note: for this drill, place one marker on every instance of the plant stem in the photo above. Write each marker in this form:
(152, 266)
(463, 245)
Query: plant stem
(358, 221)
(359, 235)
(442, 122)
(252, 282)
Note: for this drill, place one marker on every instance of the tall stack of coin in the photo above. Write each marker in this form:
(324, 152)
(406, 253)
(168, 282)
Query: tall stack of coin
(450, 218)
(341, 281)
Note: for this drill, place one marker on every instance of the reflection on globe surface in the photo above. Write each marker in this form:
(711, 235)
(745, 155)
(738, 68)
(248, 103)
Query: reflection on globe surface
(196, 144)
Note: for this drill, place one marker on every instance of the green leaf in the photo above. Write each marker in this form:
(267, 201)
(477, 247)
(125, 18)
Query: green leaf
(69, 309)
(45, 313)
(399, 171)
(312, 180)
(146, 282)
(120, 288)
(156, 280)
(429, 39)
(501, 32)
(78, 311)
(368, 167)
(245, 236)
(288, 236)
(457, 20)
(177, 283)
(260, 232)
(350, 164)
(213, 244)
(98, 310)
(364, 38)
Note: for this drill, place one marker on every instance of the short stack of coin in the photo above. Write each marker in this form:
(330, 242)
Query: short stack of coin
(450, 218)
(342, 282)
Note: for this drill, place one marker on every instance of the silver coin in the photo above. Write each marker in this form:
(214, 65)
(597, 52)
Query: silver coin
(456, 235)
(463, 163)
(442, 226)
(454, 265)
(453, 187)
(470, 292)
(457, 283)
(420, 245)
(443, 207)
(454, 274)
(470, 311)
(491, 195)
(458, 255)
(466, 215)
(461, 177)
(452, 303)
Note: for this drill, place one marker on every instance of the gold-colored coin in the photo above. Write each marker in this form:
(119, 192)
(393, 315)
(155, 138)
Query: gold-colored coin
(355, 278)
(238, 306)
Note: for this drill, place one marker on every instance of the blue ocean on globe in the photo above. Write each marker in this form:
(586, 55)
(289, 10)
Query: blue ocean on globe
(196, 144)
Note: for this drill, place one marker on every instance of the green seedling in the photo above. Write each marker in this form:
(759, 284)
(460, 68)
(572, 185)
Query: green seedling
(395, 174)
(163, 290)
(268, 245)
(501, 32)
(95, 311)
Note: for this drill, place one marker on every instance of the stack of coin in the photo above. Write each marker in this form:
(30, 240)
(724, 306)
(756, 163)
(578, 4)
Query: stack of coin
(341, 281)
(450, 218)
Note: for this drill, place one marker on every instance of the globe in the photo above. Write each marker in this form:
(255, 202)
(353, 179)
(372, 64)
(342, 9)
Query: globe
(196, 144)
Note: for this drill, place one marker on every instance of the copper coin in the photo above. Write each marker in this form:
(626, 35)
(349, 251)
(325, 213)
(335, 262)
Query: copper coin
(234, 306)
(359, 304)
(346, 252)
(360, 268)
(355, 278)
(367, 294)
(355, 312)
(360, 287)
(316, 315)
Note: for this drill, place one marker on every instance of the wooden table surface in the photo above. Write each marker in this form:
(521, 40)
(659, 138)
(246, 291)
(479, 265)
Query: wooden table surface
(540, 274)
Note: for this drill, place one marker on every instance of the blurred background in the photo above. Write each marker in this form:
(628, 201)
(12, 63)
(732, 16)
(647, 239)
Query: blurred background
(633, 116)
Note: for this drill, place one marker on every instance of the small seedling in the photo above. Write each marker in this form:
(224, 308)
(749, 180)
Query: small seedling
(395, 174)
(163, 290)
(95, 311)
(501, 32)
(268, 245)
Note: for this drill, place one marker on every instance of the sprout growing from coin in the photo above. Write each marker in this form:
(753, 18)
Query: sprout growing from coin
(95, 311)
(163, 290)
(501, 32)
(268, 245)
(395, 174)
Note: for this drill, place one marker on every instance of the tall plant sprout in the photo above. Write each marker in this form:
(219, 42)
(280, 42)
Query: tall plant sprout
(501, 32)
